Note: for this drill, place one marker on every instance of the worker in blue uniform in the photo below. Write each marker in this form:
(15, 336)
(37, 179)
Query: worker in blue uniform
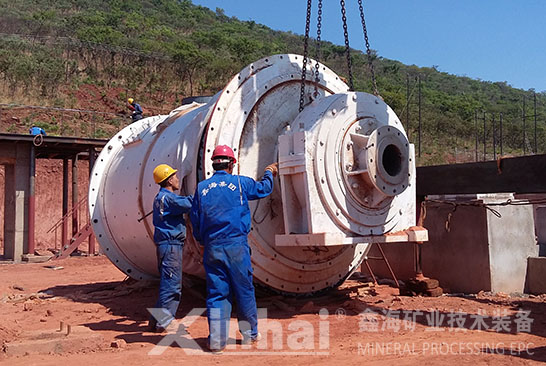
(220, 219)
(136, 109)
(35, 130)
(169, 236)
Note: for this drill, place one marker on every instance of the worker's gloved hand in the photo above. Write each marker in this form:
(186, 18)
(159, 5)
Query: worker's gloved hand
(273, 168)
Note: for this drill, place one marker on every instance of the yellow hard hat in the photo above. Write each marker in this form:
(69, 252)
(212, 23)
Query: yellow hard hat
(130, 100)
(163, 172)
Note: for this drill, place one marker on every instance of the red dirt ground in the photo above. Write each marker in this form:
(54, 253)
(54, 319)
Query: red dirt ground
(84, 293)
(84, 97)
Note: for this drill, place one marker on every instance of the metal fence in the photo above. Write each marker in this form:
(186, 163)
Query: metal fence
(488, 135)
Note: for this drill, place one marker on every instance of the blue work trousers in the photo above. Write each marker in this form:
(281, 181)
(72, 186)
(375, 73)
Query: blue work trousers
(229, 277)
(169, 260)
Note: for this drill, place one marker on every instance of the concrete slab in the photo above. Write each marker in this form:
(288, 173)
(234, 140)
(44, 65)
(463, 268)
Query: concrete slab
(54, 341)
(536, 275)
(511, 241)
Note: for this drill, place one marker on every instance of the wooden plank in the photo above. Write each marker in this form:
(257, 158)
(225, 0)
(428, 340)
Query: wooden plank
(78, 239)
(414, 234)
(524, 174)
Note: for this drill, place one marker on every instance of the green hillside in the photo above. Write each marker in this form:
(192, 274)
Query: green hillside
(91, 54)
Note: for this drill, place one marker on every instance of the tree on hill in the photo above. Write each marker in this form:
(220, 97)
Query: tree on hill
(153, 49)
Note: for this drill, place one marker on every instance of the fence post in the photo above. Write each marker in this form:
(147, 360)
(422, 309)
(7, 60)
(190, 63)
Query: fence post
(407, 106)
(523, 118)
(500, 133)
(494, 138)
(419, 78)
(476, 132)
(484, 140)
(535, 102)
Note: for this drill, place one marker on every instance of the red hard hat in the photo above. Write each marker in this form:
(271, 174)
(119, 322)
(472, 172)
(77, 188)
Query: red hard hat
(223, 151)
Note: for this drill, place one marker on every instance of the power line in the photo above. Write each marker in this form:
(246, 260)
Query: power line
(73, 42)
(22, 106)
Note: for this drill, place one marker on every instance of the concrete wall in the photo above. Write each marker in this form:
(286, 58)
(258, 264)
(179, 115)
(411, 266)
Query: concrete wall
(469, 249)
(16, 193)
(536, 275)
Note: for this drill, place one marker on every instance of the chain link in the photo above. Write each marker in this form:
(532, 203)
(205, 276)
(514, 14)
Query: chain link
(305, 54)
(368, 49)
(347, 49)
(318, 54)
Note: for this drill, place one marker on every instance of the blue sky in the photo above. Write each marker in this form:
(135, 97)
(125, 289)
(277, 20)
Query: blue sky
(494, 40)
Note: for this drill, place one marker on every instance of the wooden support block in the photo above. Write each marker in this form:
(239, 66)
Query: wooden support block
(434, 292)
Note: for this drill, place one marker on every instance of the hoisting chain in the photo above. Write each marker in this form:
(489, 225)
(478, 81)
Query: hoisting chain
(318, 55)
(347, 49)
(305, 54)
(368, 50)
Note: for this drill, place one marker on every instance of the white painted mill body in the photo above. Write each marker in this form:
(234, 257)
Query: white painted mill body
(346, 175)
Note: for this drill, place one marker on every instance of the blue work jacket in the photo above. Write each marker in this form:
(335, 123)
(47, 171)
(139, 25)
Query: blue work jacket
(137, 108)
(220, 205)
(169, 208)
(37, 131)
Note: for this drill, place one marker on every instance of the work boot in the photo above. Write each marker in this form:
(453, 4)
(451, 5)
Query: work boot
(251, 340)
(215, 351)
(173, 327)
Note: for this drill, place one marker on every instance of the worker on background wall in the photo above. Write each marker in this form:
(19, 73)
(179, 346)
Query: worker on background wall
(220, 218)
(169, 236)
(135, 108)
(35, 130)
